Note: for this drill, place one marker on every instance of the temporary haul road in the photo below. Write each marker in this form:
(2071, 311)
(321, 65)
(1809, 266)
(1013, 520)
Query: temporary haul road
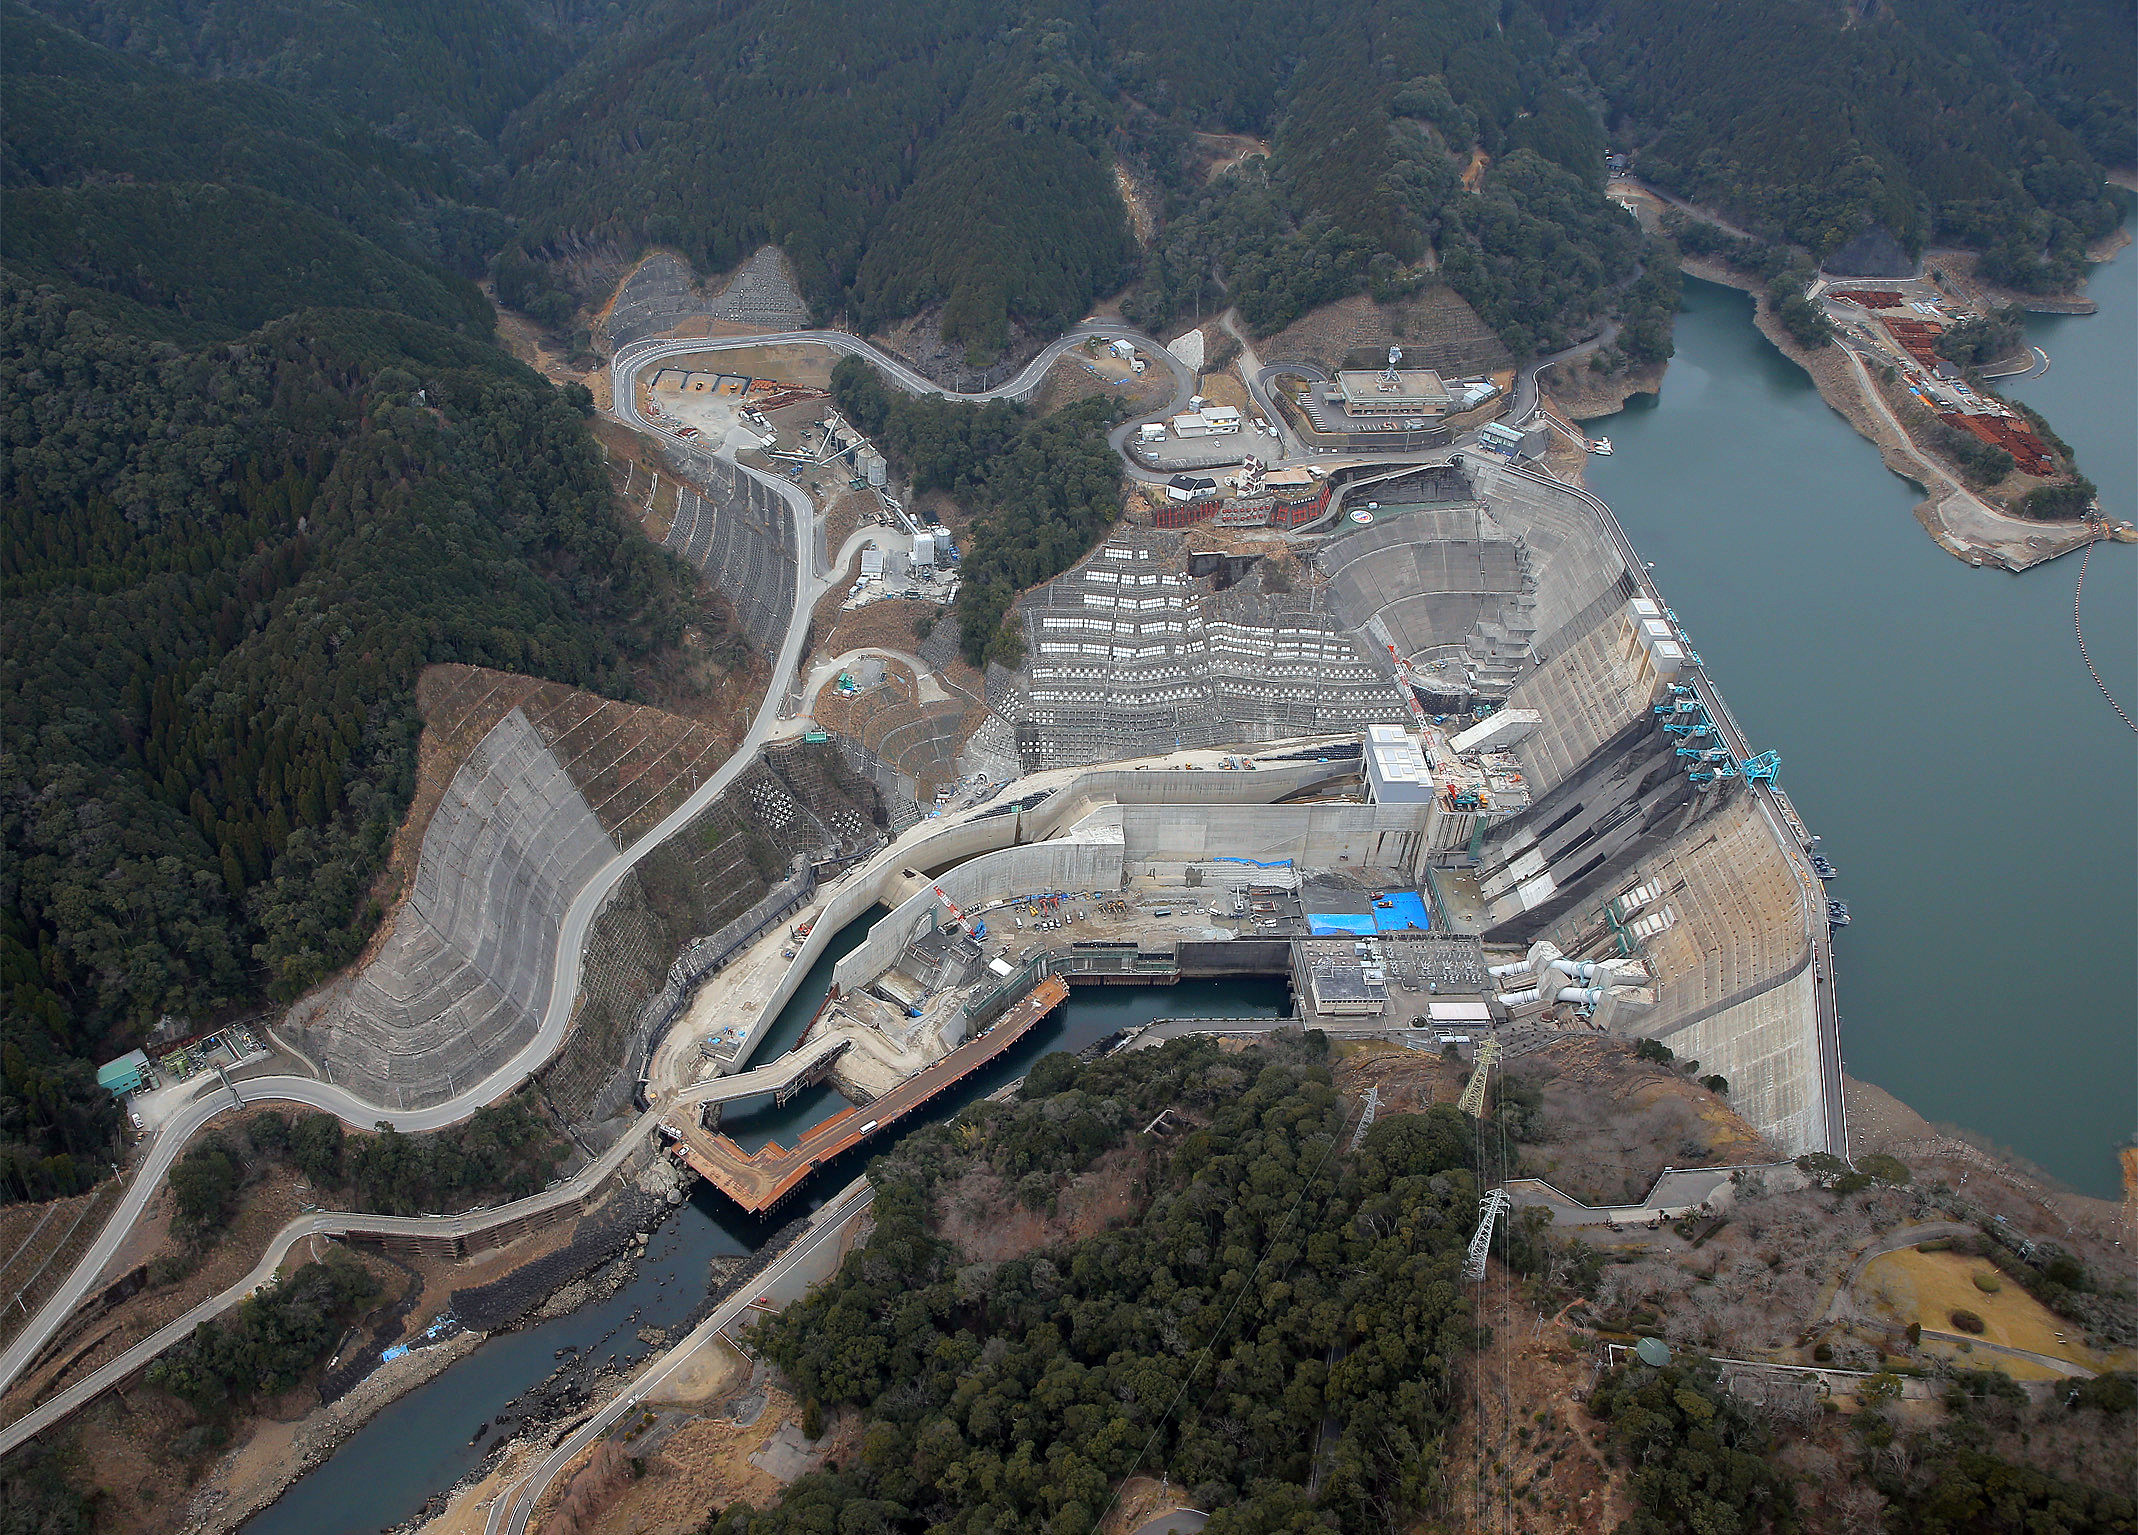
(587, 904)
(627, 364)
(548, 1037)
(578, 918)
(511, 1510)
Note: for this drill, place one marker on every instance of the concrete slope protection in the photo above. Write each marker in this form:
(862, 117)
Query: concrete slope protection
(548, 1035)
(589, 878)
(459, 983)
(939, 841)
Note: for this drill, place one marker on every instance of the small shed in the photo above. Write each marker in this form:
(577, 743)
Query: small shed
(128, 1074)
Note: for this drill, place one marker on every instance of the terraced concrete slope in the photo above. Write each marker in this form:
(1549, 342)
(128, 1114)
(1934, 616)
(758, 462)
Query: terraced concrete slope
(1134, 652)
(1519, 591)
(462, 981)
(737, 531)
(663, 295)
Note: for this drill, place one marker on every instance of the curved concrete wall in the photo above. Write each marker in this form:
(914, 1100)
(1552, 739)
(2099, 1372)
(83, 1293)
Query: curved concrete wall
(1733, 968)
(925, 849)
(1588, 687)
(1572, 558)
(1430, 577)
(1034, 868)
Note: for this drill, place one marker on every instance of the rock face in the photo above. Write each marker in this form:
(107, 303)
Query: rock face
(1874, 253)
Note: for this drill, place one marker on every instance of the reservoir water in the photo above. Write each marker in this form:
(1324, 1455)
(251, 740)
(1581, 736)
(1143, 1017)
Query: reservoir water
(427, 1440)
(1935, 722)
(1935, 725)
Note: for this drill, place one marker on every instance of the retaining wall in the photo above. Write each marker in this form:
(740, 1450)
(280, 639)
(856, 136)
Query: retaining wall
(1075, 863)
(986, 834)
(462, 981)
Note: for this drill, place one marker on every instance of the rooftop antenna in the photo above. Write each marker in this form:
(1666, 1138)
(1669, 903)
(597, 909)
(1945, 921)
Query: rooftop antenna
(1388, 379)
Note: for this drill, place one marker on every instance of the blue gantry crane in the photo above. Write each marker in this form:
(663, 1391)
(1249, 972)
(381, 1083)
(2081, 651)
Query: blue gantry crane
(1763, 768)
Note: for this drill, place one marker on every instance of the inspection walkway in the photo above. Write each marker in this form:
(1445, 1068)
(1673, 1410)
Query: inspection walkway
(759, 1180)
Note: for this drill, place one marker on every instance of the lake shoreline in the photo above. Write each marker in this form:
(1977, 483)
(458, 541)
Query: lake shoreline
(1971, 530)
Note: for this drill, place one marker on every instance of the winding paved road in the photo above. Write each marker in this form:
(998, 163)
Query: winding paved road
(549, 1034)
(587, 904)
(511, 1511)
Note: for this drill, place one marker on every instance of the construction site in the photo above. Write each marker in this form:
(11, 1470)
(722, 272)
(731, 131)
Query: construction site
(1903, 325)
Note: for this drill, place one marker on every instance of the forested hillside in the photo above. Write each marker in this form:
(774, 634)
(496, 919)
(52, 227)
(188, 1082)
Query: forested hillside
(197, 210)
(221, 572)
(1279, 1316)
(1042, 491)
(1813, 123)
(264, 459)
(921, 153)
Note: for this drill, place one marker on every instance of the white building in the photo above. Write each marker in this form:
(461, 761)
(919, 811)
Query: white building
(1396, 770)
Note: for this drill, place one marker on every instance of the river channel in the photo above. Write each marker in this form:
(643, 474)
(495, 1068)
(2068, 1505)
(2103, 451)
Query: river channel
(427, 1440)
(1936, 725)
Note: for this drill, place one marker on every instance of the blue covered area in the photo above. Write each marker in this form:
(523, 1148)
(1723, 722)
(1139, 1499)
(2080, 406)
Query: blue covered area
(1401, 911)
(1335, 924)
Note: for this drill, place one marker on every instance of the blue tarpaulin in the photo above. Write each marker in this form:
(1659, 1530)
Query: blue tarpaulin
(1334, 924)
(1401, 910)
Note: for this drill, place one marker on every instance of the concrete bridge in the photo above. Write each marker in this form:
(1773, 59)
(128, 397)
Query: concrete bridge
(782, 1079)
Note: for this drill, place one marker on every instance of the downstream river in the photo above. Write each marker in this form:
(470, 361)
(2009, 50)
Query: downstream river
(1936, 725)
(427, 1440)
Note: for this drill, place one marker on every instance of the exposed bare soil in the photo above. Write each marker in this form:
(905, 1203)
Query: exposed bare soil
(1077, 377)
(145, 1449)
(888, 624)
(1525, 1455)
(842, 518)
(1218, 153)
(179, 1277)
(790, 363)
(1583, 394)
(982, 1216)
(1445, 331)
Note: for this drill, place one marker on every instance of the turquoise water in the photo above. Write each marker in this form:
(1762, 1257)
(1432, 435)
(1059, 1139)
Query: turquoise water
(1935, 723)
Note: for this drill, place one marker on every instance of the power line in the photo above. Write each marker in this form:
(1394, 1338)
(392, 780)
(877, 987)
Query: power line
(1225, 1322)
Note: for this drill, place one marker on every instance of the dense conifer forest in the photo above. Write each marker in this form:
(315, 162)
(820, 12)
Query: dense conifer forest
(1279, 1316)
(222, 572)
